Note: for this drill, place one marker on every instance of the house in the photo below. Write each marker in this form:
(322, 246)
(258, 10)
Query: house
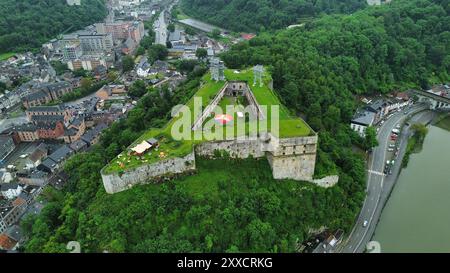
(10, 190)
(6, 146)
(10, 214)
(75, 130)
(56, 159)
(100, 72)
(78, 146)
(51, 128)
(379, 107)
(38, 154)
(403, 96)
(35, 178)
(361, 120)
(108, 91)
(39, 97)
(24, 133)
(5, 176)
(47, 93)
(91, 137)
(56, 110)
(8, 100)
(143, 67)
(11, 238)
(7, 243)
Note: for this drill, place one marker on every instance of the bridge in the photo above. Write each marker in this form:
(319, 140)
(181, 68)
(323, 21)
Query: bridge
(436, 102)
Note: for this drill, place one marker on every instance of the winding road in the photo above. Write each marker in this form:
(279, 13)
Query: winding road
(378, 185)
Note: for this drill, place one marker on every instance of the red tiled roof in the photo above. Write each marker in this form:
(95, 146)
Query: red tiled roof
(6, 243)
(248, 36)
(19, 201)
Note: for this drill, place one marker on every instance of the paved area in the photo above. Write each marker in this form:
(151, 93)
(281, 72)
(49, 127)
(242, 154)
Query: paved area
(379, 185)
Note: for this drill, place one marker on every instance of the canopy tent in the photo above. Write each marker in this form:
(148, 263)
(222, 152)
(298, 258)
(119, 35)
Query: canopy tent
(141, 148)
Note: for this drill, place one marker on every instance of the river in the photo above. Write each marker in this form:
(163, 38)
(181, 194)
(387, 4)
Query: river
(417, 216)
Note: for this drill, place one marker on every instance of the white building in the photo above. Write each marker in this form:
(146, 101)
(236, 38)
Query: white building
(361, 121)
(11, 190)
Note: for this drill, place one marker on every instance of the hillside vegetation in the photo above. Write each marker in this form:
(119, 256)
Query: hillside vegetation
(256, 15)
(26, 24)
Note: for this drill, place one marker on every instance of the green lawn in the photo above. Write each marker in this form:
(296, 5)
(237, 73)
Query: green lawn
(5, 56)
(288, 126)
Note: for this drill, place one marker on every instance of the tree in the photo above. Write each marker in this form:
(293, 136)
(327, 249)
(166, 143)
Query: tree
(127, 63)
(216, 33)
(371, 138)
(190, 30)
(157, 52)
(86, 84)
(80, 73)
(201, 53)
(171, 27)
(137, 89)
(41, 21)
(112, 75)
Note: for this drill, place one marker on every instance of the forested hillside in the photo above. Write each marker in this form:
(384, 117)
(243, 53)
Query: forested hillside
(229, 205)
(251, 15)
(373, 51)
(26, 24)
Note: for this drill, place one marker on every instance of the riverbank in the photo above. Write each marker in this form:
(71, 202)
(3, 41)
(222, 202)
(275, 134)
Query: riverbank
(415, 142)
(443, 121)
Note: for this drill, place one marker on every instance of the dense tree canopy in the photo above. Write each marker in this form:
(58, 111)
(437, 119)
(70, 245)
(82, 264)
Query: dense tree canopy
(251, 15)
(27, 24)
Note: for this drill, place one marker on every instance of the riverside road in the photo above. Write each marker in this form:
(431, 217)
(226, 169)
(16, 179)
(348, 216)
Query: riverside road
(378, 185)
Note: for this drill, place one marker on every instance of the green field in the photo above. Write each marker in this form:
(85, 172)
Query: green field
(169, 148)
(5, 56)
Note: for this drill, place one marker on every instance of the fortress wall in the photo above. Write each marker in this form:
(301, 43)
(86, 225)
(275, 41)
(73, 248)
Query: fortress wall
(294, 158)
(236, 148)
(116, 182)
(289, 158)
(296, 167)
(295, 146)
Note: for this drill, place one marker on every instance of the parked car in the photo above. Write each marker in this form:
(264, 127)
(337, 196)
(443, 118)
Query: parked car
(366, 223)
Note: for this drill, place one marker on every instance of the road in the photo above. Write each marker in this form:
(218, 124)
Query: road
(160, 27)
(378, 185)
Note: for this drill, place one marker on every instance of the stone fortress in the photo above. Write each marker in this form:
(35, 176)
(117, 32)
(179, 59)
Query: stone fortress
(289, 157)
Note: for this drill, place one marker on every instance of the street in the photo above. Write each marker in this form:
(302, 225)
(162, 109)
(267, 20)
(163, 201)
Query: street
(378, 185)
(161, 29)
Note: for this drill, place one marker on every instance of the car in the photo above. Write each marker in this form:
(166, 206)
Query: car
(391, 145)
(398, 126)
(390, 150)
(366, 223)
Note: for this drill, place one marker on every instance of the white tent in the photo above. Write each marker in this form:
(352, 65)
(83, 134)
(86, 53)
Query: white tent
(141, 148)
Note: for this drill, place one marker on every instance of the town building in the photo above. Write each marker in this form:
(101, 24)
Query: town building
(56, 159)
(46, 93)
(6, 146)
(10, 190)
(361, 120)
(92, 136)
(47, 112)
